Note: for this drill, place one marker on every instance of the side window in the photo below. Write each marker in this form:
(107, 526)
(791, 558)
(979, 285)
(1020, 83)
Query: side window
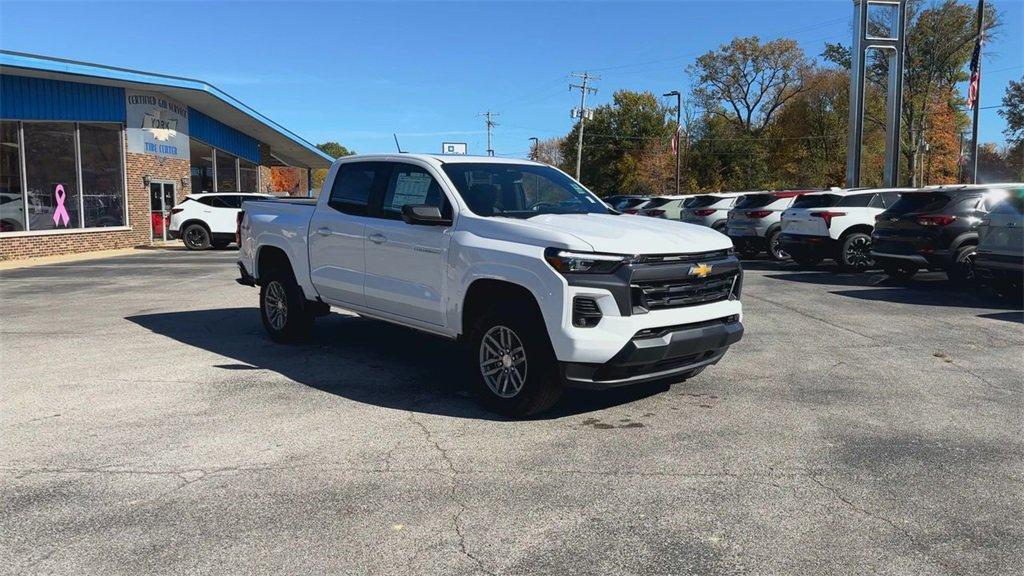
(352, 187)
(877, 201)
(221, 202)
(855, 200)
(205, 200)
(890, 198)
(990, 201)
(412, 185)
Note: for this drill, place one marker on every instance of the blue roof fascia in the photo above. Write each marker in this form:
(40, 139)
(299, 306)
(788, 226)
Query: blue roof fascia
(35, 62)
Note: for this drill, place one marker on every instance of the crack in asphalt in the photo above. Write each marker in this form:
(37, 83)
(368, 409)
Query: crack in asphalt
(452, 494)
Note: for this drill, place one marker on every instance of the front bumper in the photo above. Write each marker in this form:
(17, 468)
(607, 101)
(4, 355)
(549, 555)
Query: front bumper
(657, 354)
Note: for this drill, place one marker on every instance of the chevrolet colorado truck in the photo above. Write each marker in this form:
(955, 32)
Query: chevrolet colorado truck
(547, 285)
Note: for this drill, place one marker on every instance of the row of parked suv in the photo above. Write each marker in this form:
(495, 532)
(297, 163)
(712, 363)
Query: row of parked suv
(972, 232)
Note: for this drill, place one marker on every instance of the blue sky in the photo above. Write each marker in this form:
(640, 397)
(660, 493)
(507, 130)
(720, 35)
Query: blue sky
(357, 71)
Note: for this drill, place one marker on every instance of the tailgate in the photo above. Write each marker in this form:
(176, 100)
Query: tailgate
(800, 221)
(1003, 235)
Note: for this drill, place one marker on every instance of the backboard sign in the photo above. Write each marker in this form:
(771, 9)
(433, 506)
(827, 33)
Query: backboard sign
(454, 148)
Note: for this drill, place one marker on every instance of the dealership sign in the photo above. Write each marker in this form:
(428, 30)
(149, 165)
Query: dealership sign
(157, 125)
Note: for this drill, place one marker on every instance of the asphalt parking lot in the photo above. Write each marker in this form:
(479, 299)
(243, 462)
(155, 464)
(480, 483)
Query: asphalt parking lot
(150, 427)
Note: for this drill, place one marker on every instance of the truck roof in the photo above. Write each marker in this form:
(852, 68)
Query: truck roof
(439, 159)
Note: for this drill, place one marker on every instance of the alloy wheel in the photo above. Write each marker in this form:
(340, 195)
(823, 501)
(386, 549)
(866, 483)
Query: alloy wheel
(503, 361)
(276, 305)
(195, 237)
(776, 247)
(858, 253)
(966, 265)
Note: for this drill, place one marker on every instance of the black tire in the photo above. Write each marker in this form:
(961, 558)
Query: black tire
(775, 251)
(899, 271)
(510, 383)
(855, 253)
(280, 294)
(961, 270)
(196, 237)
(806, 260)
(220, 244)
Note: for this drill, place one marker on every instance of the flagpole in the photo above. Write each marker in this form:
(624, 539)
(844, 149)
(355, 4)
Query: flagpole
(977, 95)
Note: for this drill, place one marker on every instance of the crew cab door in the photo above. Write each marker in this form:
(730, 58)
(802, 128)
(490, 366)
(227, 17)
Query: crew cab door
(337, 232)
(406, 264)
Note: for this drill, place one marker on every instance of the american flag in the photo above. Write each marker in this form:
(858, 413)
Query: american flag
(972, 88)
(675, 139)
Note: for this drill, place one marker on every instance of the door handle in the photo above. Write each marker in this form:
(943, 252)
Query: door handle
(323, 231)
(377, 238)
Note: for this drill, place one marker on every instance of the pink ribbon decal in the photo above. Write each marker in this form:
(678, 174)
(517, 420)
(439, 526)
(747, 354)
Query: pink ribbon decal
(60, 213)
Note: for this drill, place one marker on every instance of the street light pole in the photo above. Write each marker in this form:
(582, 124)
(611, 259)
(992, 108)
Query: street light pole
(675, 137)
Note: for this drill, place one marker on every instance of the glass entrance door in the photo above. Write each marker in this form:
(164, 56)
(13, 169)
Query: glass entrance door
(161, 200)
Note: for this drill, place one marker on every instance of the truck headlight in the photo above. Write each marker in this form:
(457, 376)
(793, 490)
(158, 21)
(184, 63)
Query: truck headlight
(568, 262)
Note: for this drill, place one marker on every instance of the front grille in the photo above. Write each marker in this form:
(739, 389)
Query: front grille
(677, 293)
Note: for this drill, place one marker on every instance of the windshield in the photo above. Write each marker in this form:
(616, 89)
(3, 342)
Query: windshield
(816, 201)
(520, 190)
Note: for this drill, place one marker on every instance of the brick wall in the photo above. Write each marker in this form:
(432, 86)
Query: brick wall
(138, 165)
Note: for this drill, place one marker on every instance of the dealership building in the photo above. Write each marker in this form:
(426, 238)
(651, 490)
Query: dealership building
(93, 157)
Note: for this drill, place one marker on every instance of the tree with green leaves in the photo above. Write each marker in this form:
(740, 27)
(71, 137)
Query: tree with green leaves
(334, 150)
(1013, 112)
(616, 139)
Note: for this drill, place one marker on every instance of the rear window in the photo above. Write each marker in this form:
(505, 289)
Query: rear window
(702, 201)
(628, 203)
(656, 202)
(816, 201)
(756, 201)
(920, 201)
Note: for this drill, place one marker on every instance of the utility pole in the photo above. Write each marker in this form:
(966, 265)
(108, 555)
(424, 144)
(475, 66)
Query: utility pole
(490, 124)
(534, 148)
(976, 83)
(582, 112)
(679, 126)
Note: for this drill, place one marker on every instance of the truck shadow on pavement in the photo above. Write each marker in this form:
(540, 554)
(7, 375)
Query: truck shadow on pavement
(363, 360)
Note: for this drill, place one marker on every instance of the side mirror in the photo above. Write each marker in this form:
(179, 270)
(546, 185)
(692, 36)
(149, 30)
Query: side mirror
(424, 215)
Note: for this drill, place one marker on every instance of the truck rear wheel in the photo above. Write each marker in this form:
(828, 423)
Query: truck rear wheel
(855, 253)
(517, 372)
(283, 309)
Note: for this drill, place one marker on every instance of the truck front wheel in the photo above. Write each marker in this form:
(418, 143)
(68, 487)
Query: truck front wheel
(516, 369)
(283, 309)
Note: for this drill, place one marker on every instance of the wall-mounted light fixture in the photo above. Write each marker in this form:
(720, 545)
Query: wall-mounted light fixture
(186, 182)
(146, 180)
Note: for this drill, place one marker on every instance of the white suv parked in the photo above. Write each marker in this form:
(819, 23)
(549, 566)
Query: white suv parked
(836, 224)
(205, 220)
(755, 223)
(711, 210)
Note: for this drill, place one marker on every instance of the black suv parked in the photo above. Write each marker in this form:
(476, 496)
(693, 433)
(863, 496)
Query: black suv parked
(934, 229)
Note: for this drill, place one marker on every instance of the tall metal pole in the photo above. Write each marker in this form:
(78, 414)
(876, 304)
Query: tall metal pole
(679, 125)
(977, 95)
(534, 148)
(582, 112)
(490, 124)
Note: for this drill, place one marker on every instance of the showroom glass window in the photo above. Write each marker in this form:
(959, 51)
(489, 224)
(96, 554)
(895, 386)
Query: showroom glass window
(227, 175)
(12, 201)
(202, 167)
(248, 176)
(61, 176)
(53, 198)
(102, 183)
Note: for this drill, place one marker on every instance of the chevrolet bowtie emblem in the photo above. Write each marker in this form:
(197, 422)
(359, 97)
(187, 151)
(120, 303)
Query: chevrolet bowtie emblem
(700, 270)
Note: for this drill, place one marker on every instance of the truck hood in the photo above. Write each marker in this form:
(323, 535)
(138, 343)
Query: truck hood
(627, 234)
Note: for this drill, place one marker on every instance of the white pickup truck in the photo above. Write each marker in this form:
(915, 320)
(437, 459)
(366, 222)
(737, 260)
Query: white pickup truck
(547, 285)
